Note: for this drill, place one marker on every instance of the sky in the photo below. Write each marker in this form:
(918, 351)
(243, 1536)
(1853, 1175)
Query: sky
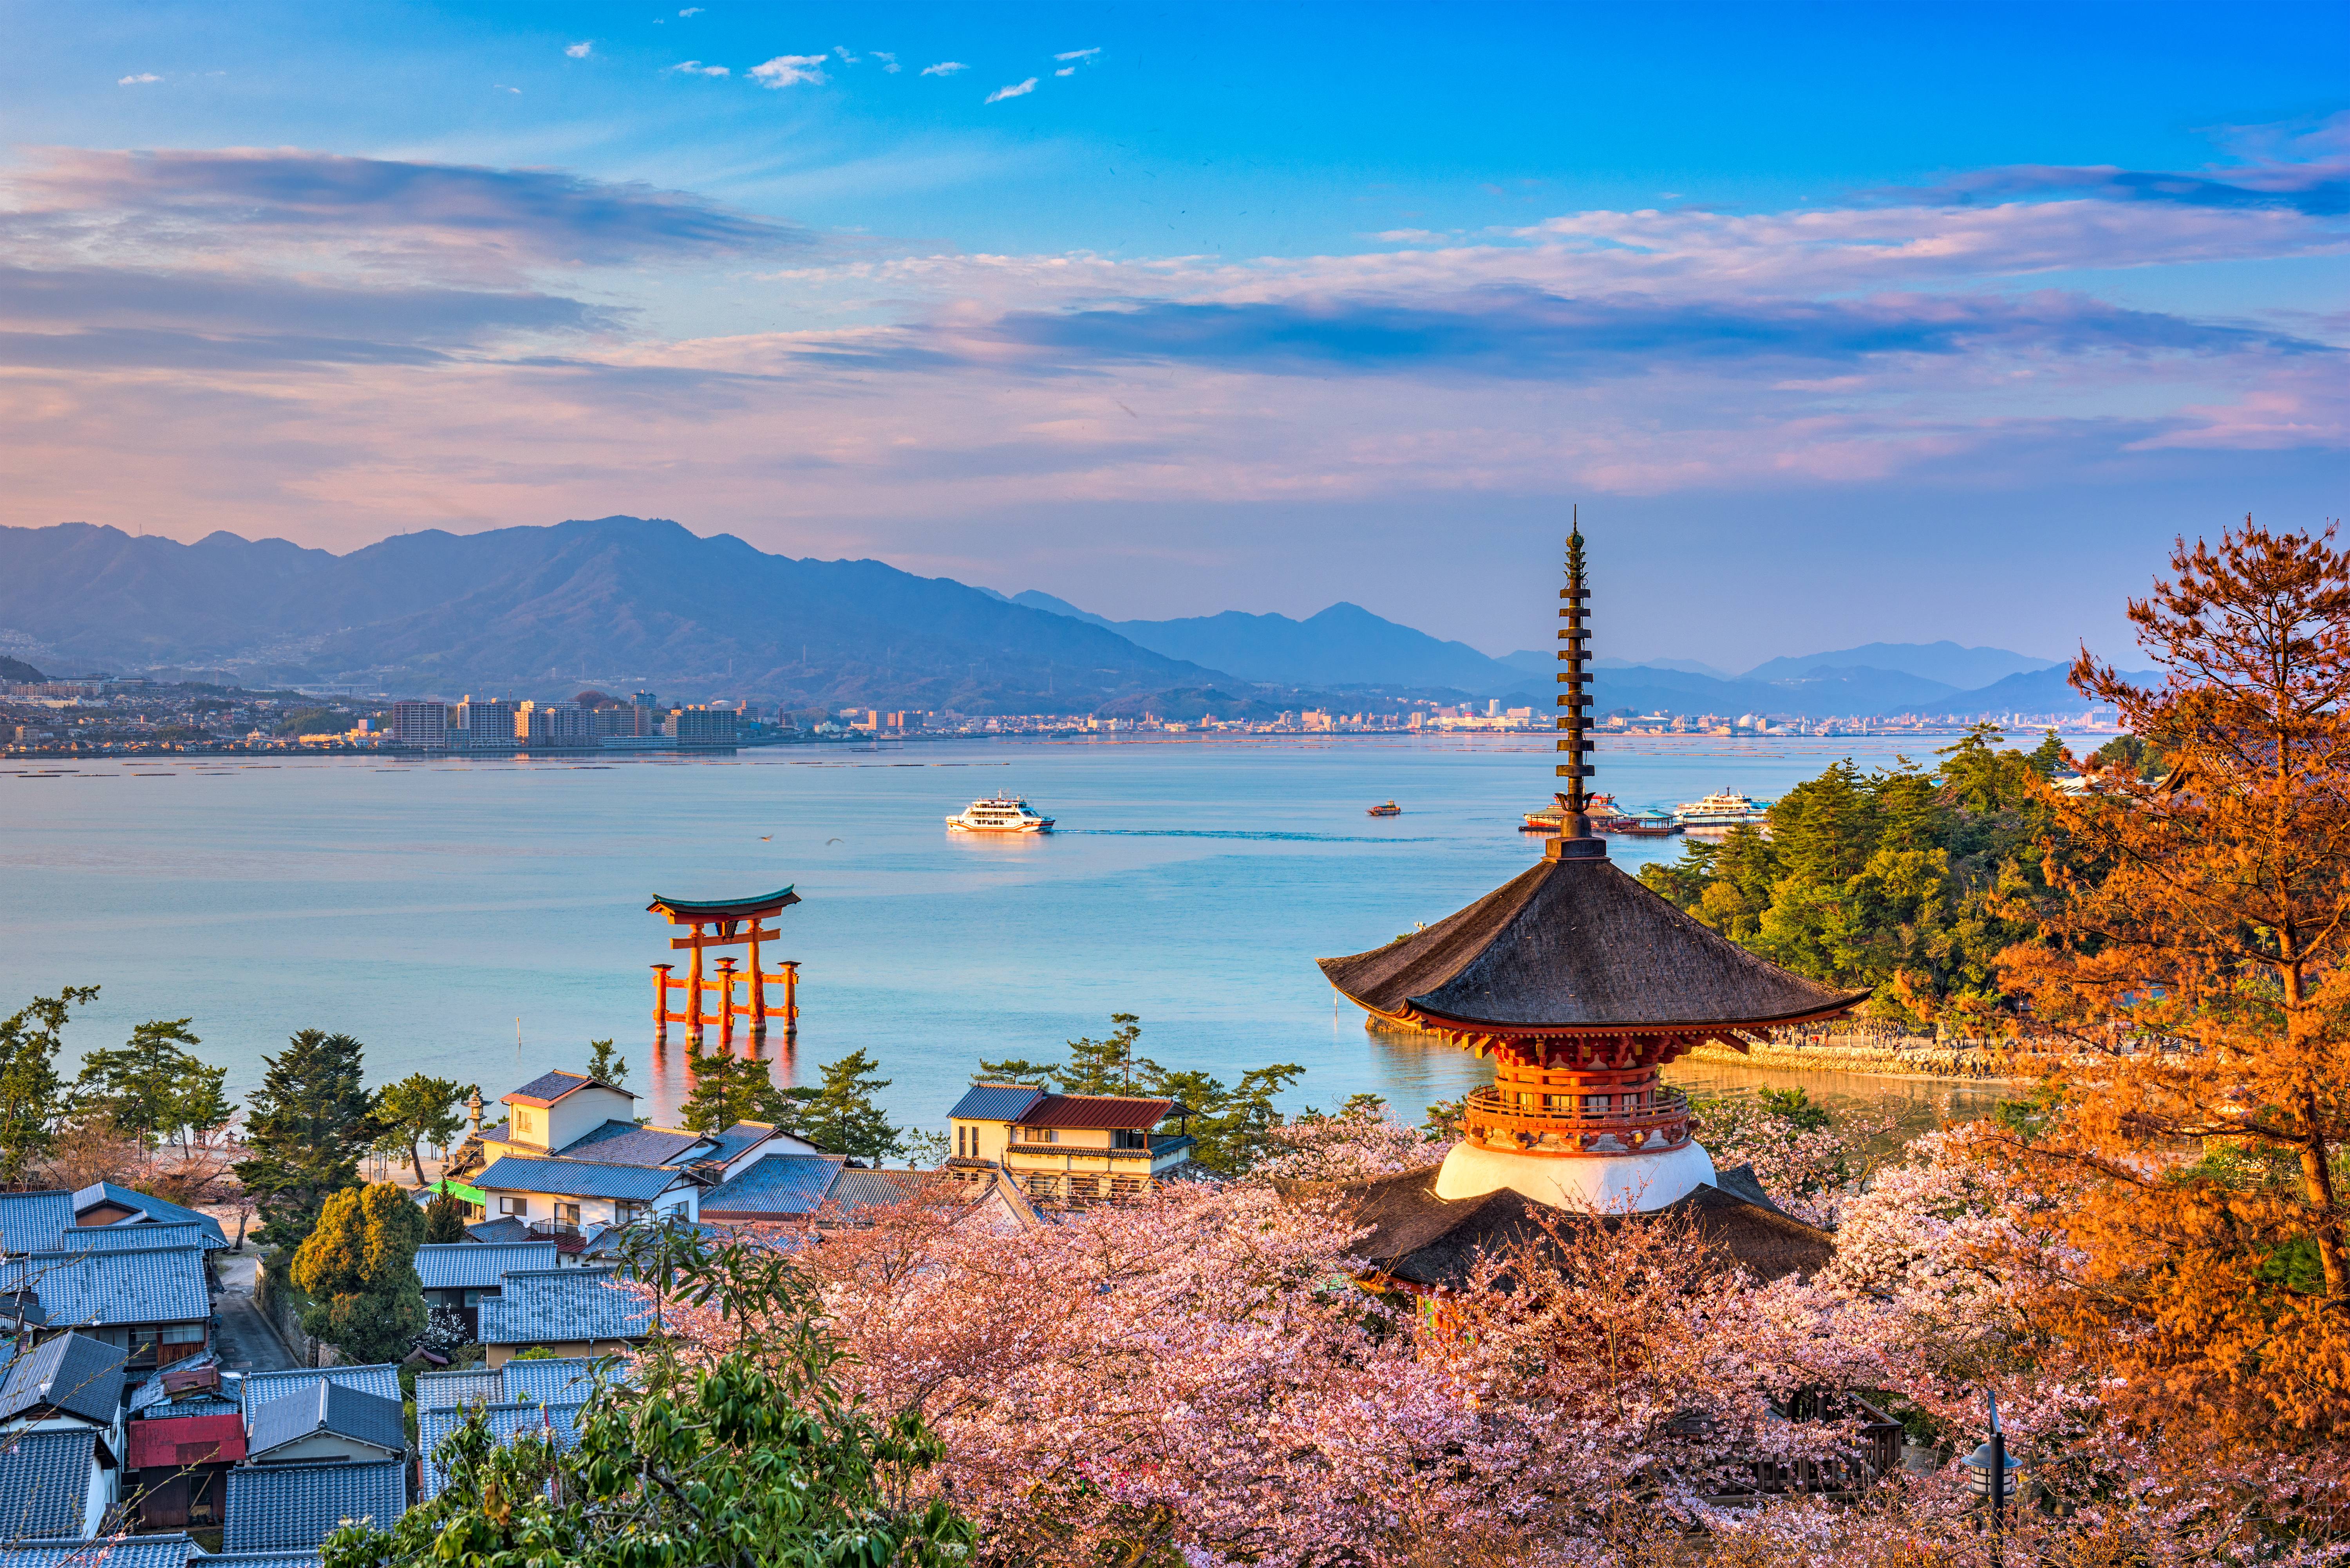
(1838, 323)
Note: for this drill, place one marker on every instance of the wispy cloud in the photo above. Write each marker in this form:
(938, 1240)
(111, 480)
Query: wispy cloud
(691, 11)
(696, 68)
(792, 70)
(846, 57)
(944, 69)
(501, 86)
(1017, 89)
(1076, 54)
(1066, 71)
(141, 79)
(580, 51)
(889, 61)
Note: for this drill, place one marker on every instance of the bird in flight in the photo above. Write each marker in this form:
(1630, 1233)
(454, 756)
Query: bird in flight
(832, 841)
(765, 836)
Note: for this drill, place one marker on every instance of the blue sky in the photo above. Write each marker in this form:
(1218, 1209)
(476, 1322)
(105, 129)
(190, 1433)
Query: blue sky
(1842, 323)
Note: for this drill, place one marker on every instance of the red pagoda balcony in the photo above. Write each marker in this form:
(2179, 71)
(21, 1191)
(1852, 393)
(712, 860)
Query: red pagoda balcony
(1651, 1119)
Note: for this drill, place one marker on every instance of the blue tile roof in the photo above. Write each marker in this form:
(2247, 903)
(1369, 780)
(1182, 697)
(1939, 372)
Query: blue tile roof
(261, 1388)
(778, 1185)
(477, 1265)
(506, 1423)
(107, 1551)
(45, 1481)
(83, 1290)
(130, 1238)
(447, 1390)
(552, 1086)
(625, 1143)
(505, 1228)
(566, 1380)
(994, 1103)
(249, 1559)
(562, 1306)
(857, 1189)
(735, 1141)
(282, 1507)
(162, 1210)
(575, 1178)
(69, 1372)
(330, 1408)
(32, 1221)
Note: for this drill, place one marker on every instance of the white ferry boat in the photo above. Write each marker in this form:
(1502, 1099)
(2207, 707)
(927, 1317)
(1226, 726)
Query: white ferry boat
(999, 814)
(1723, 809)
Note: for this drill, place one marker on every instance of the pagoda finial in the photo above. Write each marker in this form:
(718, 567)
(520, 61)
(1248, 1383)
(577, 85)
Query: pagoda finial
(1575, 841)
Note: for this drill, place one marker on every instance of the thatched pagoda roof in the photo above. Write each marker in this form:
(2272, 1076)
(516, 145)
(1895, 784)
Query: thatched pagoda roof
(1421, 1240)
(1575, 943)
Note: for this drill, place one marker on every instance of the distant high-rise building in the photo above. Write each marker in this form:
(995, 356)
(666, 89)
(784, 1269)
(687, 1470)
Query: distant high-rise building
(554, 724)
(486, 722)
(699, 726)
(628, 719)
(644, 700)
(419, 725)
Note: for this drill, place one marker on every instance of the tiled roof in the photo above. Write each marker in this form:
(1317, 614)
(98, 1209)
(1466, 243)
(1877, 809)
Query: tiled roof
(174, 1440)
(505, 1228)
(994, 1102)
(475, 1265)
(1095, 1112)
(160, 1211)
(32, 1221)
(777, 1185)
(564, 1380)
(625, 1143)
(855, 1189)
(70, 1372)
(564, 1305)
(330, 1408)
(161, 1284)
(736, 1141)
(447, 1390)
(280, 1508)
(45, 1481)
(550, 1087)
(251, 1560)
(107, 1551)
(261, 1388)
(506, 1423)
(150, 1398)
(575, 1178)
(130, 1238)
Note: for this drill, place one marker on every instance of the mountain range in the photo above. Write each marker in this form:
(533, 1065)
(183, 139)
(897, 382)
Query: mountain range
(627, 603)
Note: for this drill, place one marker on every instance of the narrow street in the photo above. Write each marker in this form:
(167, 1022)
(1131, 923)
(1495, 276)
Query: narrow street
(247, 1342)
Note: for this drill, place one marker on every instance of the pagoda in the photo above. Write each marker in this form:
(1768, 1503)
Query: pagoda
(1581, 984)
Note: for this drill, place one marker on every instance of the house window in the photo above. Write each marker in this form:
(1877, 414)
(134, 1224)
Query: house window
(1040, 1135)
(1129, 1138)
(566, 1214)
(1595, 1105)
(515, 1205)
(623, 1211)
(183, 1333)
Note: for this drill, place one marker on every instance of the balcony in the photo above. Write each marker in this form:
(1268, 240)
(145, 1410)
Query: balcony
(1156, 1147)
(1661, 1123)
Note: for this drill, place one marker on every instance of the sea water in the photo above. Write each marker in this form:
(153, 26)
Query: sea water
(482, 920)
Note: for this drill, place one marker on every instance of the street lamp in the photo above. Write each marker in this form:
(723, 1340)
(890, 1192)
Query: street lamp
(1990, 1473)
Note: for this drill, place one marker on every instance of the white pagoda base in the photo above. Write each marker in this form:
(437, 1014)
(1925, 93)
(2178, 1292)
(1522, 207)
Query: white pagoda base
(1604, 1184)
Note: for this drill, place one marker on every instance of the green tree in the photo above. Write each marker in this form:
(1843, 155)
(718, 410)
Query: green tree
(311, 1119)
(1229, 1126)
(444, 1218)
(840, 1116)
(1017, 1070)
(28, 1078)
(1104, 1067)
(758, 1459)
(418, 1110)
(607, 1065)
(730, 1089)
(152, 1089)
(359, 1267)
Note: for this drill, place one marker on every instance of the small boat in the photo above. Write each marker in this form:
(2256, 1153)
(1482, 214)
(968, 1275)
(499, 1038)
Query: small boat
(1600, 809)
(1390, 809)
(999, 814)
(1648, 825)
(1725, 809)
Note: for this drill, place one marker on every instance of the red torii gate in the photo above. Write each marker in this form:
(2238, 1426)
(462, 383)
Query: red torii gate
(724, 923)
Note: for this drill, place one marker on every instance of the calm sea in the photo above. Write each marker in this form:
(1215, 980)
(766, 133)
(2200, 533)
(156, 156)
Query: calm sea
(437, 911)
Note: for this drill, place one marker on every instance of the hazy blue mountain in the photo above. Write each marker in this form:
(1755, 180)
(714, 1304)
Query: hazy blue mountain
(17, 670)
(1538, 663)
(2031, 691)
(620, 602)
(1946, 663)
(1344, 645)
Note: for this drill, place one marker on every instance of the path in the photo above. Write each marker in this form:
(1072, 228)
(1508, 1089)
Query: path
(246, 1341)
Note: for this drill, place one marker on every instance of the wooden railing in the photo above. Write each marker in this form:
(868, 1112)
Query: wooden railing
(1498, 1122)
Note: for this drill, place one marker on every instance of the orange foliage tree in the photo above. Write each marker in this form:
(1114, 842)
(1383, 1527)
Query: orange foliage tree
(2192, 951)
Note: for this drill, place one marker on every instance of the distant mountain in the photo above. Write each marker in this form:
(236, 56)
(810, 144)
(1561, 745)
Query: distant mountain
(1344, 645)
(17, 670)
(621, 603)
(2032, 691)
(1538, 663)
(1944, 663)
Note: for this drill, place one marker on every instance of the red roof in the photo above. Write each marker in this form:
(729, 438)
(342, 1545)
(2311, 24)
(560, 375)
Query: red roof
(166, 1442)
(1096, 1111)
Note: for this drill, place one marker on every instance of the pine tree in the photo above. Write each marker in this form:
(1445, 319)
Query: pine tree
(1104, 1067)
(28, 1078)
(607, 1065)
(418, 1110)
(730, 1089)
(152, 1089)
(359, 1267)
(840, 1117)
(310, 1121)
(444, 1218)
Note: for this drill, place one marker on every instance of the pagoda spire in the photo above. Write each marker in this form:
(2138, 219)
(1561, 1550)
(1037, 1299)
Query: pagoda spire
(1575, 840)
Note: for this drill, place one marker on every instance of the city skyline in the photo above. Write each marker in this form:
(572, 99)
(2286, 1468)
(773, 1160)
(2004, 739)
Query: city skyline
(1930, 324)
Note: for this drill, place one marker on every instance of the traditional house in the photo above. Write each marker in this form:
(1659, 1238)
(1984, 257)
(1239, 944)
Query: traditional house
(65, 1380)
(563, 1197)
(1075, 1149)
(32, 1221)
(578, 1313)
(179, 1466)
(294, 1508)
(102, 1203)
(56, 1482)
(260, 1390)
(774, 1189)
(324, 1422)
(125, 1551)
(458, 1276)
(152, 1303)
